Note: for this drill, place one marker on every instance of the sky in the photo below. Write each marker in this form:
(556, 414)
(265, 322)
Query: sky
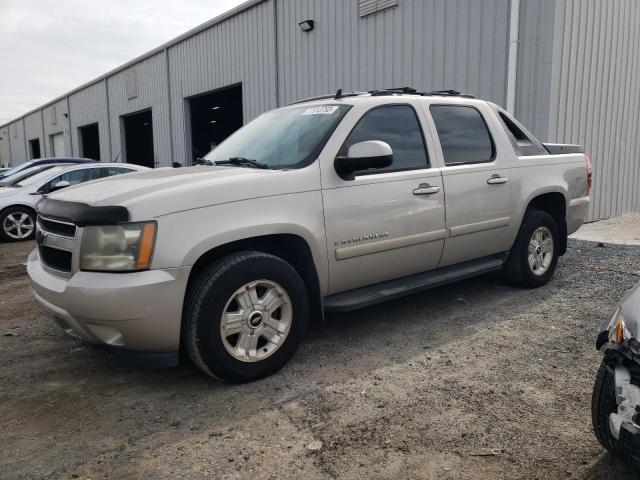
(50, 47)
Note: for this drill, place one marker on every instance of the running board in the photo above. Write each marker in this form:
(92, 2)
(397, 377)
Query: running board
(380, 292)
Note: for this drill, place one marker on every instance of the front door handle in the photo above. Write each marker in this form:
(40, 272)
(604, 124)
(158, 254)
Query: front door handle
(497, 180)
(426, 189)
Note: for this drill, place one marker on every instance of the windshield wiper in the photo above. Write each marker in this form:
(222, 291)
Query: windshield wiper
(243, 162)
(202, 161)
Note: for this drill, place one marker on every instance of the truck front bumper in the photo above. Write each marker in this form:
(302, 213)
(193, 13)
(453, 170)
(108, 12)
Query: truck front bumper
(138, 311)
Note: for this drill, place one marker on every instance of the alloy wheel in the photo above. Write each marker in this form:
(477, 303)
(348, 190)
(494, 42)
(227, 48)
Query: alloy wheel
(18, 225)
(541, 251)
(256, 320)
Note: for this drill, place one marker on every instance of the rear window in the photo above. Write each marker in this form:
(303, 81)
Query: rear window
(523, 142)
(463, 134)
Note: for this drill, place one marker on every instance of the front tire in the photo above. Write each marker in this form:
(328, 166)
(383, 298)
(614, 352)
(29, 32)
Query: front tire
(245, 316)
(534, 255)
(17, 224)
(603, 404)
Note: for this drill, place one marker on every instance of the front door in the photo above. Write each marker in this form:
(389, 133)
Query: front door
(476, 180)
(386, 223)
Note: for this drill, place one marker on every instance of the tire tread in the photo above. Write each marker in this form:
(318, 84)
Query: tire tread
(205, 281)
(516, 266)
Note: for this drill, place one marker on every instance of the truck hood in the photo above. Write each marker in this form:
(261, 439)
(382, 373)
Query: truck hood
(167, 190)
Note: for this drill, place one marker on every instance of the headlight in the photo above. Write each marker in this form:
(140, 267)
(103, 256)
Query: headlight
(118, 248)
(618, 331)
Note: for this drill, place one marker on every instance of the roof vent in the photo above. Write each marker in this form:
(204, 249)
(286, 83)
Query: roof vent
(131, 79)
(369, 7)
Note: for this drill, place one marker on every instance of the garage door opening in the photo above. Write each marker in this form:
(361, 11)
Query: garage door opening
(214, 116)
(34, 147)
(138, 139)
(89, 141)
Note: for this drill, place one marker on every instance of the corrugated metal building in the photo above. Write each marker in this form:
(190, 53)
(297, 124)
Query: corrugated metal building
(568, 68)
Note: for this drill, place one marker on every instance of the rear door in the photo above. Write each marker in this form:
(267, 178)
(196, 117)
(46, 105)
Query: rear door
(476, 182)
(387, 223)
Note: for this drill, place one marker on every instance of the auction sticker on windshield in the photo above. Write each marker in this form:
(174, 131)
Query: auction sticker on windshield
(324, 110)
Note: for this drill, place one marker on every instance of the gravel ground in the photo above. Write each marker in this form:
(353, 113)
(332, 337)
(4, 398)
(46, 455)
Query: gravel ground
(475, 380)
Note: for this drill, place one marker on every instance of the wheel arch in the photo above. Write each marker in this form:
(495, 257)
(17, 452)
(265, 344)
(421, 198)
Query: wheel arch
(21, 206)
(555, 204)
(292, 248)
(31, 208)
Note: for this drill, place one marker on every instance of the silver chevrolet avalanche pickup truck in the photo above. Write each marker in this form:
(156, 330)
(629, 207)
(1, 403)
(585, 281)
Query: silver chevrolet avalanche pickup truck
(329, 204)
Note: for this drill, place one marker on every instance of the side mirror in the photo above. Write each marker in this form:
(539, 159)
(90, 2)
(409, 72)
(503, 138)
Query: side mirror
(364, 156)
(60, 185)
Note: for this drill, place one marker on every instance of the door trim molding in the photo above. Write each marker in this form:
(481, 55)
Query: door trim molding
(478, 226)
(351, 251)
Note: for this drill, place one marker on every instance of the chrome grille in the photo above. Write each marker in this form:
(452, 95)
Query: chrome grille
(56, 227)
(57, 244)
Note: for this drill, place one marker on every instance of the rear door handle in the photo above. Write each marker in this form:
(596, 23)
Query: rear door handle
(497, 180)
(426, 189)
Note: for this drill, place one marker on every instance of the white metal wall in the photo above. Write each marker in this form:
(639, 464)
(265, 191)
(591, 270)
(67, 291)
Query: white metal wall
(16, 142)
(151, 93)
(5, 151)
(55, 121)
(90, 106)
(238, 50)
(535, 58)
(428, 44)
(595, 95)
(33, 130)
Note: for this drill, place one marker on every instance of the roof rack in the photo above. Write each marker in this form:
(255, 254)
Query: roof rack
(387, 91)
(311, 99)
(413, 91)
(449, 93)
(339, 94)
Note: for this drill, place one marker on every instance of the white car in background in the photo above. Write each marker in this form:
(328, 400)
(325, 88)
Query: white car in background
(17, 201)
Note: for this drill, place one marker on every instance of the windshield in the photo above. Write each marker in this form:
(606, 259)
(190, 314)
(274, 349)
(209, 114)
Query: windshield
(22, 175)
(286, 138)
(40, 176)
(11, 171)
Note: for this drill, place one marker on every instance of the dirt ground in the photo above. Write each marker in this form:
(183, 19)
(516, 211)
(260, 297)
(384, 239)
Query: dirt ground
(476, 380)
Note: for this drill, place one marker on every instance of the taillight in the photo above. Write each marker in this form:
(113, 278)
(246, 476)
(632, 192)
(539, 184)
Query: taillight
(589, 173)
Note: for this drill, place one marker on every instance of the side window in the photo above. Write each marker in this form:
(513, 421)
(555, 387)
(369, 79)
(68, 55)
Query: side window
(463, 134)
(398, 126)
(111, 171)
(74, 177)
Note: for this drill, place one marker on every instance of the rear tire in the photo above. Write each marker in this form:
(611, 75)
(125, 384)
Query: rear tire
(17, 224)
(245, 316)
(534, 255)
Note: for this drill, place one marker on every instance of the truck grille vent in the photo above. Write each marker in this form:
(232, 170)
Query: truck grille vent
(59, 260)
(57, 228)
